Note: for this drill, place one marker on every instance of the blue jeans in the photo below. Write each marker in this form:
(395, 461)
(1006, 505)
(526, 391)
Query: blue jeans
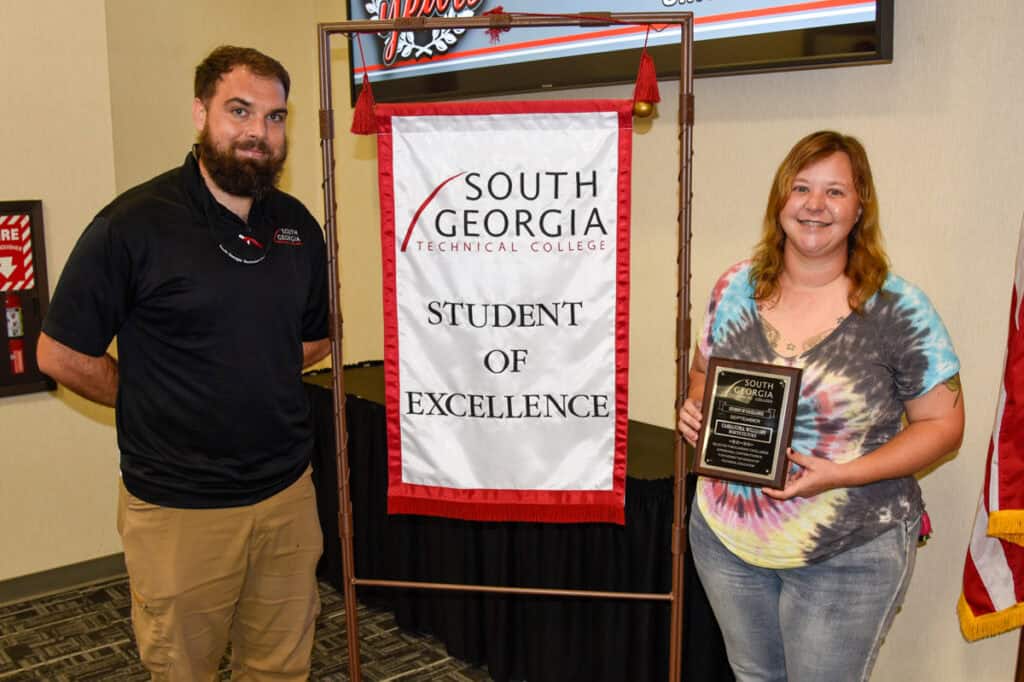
(818, 623)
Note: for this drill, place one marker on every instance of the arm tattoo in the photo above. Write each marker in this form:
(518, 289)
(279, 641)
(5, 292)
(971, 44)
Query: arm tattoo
(953, 384)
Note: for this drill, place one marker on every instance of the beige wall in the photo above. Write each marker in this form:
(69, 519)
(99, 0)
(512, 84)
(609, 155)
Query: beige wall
(104, 93)
(358, 214)
(154, 48)
(941, 127)
(57, 456)
(948, 156)
(939, 124)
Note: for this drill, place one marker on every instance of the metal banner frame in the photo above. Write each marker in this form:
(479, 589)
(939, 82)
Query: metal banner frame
(504, 21)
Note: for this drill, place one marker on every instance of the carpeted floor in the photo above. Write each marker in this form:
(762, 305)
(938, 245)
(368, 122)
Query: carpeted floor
(85, 634)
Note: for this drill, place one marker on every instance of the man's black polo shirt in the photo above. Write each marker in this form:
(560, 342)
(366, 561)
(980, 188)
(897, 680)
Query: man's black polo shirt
(211, 411)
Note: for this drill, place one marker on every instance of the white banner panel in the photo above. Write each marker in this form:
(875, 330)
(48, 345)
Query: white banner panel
(506, 268)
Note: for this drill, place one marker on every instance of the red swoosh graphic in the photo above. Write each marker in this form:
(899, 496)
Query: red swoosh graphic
(419, 211)
(250, 241)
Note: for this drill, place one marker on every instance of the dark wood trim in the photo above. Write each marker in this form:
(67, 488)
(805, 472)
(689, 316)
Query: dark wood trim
(62, 578)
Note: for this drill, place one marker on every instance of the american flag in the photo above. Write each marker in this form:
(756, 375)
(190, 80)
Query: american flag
(992, 601)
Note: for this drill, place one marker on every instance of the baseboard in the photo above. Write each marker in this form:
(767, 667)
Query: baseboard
(62, 578)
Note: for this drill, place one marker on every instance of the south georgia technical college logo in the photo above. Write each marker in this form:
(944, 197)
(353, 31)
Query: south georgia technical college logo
(419, 44)
(506, 212)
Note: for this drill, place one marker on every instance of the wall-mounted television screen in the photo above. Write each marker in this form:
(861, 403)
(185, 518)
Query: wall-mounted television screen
(730, 36)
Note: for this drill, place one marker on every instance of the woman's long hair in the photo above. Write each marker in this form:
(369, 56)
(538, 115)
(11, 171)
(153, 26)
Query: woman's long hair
(867, 265)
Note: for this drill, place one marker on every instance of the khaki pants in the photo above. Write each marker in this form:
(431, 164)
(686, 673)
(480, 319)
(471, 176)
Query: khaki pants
(200, 577)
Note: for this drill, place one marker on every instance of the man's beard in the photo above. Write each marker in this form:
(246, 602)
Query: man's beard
(237, 176)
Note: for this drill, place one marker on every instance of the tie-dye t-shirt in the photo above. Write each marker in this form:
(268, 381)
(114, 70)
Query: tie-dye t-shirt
(852, 390)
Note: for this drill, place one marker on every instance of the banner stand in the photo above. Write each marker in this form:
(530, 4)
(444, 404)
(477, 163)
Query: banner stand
(345, 522)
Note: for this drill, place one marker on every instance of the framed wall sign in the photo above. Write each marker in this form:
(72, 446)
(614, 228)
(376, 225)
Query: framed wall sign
(24, 294)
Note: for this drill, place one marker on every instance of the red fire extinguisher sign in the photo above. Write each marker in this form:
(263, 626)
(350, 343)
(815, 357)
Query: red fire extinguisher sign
(17, 271)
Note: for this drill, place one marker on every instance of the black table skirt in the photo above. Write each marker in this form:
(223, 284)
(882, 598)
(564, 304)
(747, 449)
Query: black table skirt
(540, 639)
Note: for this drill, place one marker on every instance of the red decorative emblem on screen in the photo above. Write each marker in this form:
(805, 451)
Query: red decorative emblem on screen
(419, 44)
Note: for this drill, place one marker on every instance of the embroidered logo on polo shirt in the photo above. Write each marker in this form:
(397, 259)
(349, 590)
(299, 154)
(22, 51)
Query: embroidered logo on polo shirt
(288, 236)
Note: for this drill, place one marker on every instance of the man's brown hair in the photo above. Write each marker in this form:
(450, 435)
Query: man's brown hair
(228, 57)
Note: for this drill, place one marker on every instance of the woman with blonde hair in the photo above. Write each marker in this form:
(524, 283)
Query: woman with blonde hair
(805, 580)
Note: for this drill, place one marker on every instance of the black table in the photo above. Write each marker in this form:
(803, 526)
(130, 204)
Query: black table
(540, 639)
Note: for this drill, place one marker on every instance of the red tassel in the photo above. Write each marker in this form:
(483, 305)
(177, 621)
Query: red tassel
(364, 121)
(495, 31)
(646, 81)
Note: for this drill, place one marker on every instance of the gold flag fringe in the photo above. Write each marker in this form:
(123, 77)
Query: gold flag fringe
(974, 627)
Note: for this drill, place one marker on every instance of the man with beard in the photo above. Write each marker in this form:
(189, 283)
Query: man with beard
(214, 283)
